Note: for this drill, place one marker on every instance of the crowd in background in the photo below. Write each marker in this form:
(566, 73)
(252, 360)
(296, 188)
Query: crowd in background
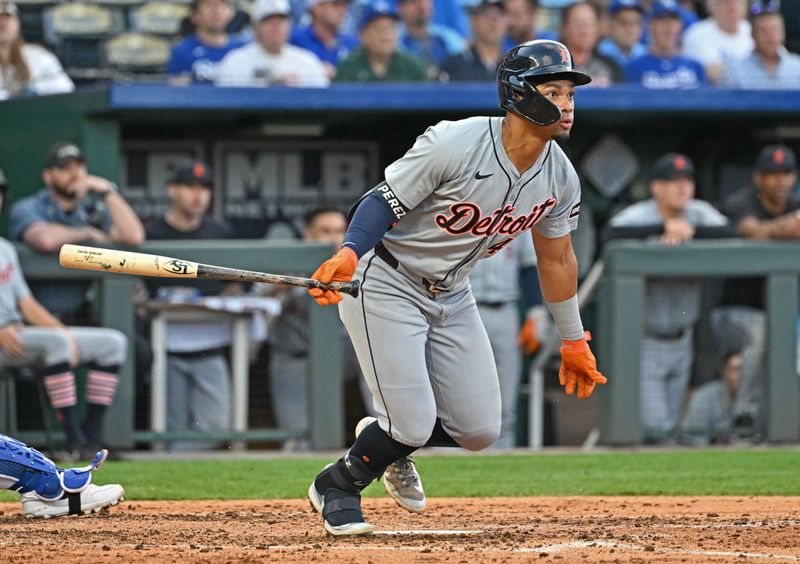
(311, 43)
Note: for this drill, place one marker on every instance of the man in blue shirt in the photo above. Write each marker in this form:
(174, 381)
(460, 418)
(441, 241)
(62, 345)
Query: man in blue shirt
(663, 67)
(770, 65)
(195, 59)
(323, 36)
(430, 42)
(623, 43)
(74, 207)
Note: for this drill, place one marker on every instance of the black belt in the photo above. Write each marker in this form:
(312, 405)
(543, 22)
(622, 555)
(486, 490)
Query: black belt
(674, 336)
(492, 305)
(383, 253)
(199, 354)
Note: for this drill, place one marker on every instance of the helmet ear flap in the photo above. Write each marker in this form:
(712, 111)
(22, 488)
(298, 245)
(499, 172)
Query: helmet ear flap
(532, 105)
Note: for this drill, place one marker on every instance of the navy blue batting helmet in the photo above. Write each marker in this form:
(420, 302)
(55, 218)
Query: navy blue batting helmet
(527, 65)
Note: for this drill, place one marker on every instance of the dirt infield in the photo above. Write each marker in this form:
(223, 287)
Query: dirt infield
(609, 529)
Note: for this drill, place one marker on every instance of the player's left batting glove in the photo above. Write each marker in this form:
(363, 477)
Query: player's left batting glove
(579, 367)
(339, 268)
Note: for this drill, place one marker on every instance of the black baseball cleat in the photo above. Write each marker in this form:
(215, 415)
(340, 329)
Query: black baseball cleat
(341, 511)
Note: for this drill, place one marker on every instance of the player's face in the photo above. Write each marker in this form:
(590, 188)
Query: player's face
(562, 94)
(776, 186)
(190, 200)
(62, 179)
(212, 16)
(769, 34)
(329, 227)
(626, 28)
(674, 194)
(9, 28)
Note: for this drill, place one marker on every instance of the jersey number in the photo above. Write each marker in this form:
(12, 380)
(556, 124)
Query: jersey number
(497, 246)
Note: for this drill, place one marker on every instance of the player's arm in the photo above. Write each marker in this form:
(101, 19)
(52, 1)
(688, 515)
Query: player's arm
(372, 217)
(126, 228)
(558, 276)
(36, 314)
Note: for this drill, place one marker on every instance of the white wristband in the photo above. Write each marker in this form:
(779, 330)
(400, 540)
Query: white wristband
(567, 317)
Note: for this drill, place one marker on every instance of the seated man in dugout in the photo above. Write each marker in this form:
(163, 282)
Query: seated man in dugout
(32, 336)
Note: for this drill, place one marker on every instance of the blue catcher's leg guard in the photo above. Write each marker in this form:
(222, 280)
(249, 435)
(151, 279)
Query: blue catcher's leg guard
(30, 471)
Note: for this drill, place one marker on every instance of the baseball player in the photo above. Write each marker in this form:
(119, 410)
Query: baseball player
(464, 191)
(50, 491)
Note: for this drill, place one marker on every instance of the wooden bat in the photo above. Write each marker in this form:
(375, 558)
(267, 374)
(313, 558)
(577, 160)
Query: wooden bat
(142, 264)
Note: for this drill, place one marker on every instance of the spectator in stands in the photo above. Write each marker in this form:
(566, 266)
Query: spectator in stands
(770, 65)
(722, 38)
(480, 60)
(288, 338)
(496, 284)
(522, 23)
(196, 58)
(623, 43)
(580, 32)
(765, 209)
(270, 59)
(663, 66)
(26, 70)
(198, 377)
(30, 336)
(379, 59)
(688, 13)
(73, 207)
(323, 36)
(672, 306)
(430, 42)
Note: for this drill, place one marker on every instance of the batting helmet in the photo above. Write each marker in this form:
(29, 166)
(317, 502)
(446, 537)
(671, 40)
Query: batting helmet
(527, 65)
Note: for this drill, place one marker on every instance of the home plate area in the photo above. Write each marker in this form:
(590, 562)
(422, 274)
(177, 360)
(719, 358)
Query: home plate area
(566, 529)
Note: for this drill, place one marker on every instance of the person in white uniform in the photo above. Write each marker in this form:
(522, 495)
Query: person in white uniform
(465, 190)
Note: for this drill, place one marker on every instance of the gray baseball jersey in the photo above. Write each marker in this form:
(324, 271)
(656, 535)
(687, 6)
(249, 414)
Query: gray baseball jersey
(458, 198)
(415, 326)
(12, 284)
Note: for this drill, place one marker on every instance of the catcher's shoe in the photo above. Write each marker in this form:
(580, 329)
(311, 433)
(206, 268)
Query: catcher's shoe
(401, 479)
(91, 500)
(341, 511)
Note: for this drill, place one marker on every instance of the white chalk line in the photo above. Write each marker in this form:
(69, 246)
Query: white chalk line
(442, 532)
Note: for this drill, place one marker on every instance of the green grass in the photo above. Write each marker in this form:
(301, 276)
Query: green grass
(700, 472)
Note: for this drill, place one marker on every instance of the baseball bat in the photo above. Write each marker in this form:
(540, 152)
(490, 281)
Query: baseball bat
(142, 264)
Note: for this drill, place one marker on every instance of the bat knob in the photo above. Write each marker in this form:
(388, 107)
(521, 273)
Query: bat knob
(351, 288)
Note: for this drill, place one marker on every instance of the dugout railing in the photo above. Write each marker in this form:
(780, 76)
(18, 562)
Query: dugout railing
(114, 308)
(621, 312)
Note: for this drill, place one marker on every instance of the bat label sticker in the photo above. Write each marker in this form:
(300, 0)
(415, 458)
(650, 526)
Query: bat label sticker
(177, 266)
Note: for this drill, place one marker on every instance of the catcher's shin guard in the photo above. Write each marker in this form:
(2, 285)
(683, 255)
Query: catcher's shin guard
(25, 469)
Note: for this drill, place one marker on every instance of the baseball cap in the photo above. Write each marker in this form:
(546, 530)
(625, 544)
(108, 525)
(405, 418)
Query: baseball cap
(375, 10)
(619, 5)
(191, 173)
(776, 158)
(672, 166)
(481, 5)
(665, 9)
(763, 7)
(8, 8)
(265, 8)
(61, 154)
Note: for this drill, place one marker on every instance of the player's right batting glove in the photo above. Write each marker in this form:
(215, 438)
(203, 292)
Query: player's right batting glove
(579, 367)
(339, 268)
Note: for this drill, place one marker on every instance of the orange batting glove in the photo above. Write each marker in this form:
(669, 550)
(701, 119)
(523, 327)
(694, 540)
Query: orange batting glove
(528, 340)
(339, 268)
(579, 367)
